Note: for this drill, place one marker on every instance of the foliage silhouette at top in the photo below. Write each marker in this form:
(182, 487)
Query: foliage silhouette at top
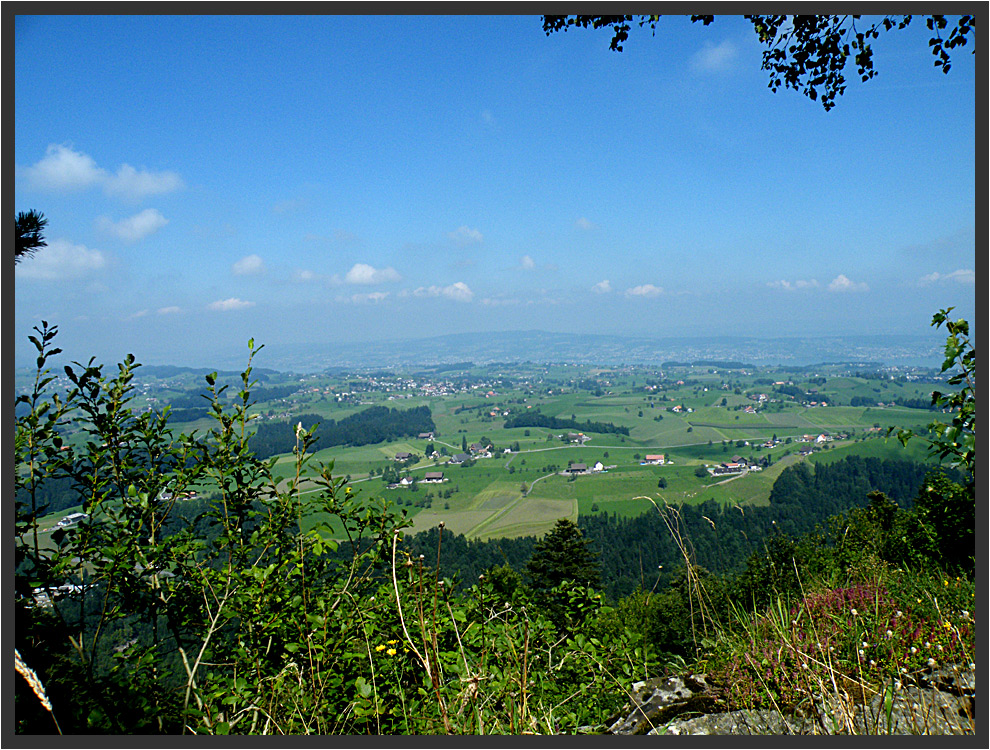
(807, 53)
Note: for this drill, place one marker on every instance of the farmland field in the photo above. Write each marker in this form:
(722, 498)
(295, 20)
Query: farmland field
(696, 417)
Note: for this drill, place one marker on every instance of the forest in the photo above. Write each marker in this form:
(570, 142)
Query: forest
(376, 424)
(536, 419)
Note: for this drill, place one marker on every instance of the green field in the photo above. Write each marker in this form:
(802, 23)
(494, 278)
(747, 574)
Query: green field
(523, 492)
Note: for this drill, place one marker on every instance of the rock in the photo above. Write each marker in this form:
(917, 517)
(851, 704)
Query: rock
(657, 701)
(738, 722)
(940, 702)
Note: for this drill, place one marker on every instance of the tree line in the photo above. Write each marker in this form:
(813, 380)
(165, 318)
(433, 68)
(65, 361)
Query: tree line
(536, 419)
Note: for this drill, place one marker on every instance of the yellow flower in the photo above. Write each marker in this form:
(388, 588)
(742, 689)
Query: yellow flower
(379, 648)
(391, 652)
(391, 643)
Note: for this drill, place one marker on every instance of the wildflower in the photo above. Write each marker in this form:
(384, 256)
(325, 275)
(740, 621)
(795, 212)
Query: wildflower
(932, 662)
(391, 652)
(914, 649)
(898, 685)
(965, 614)
(872, 663)
(898, 613)
(972, 665)
(380, 647)
(939, 647)
(865, 644)
(392, 643)
(928, 644)
(854, 612)
(862, 652)
(890, 633)
(804, 665)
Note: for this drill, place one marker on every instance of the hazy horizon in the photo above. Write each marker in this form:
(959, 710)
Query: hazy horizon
(336, 181)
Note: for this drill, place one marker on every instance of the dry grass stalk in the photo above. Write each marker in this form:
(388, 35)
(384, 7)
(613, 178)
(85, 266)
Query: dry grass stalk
(36, 687)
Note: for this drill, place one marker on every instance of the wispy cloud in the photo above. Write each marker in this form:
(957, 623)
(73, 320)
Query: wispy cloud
(501, 301)
(362, 273)
(602, 287)
(231, 303)
(134, 228)
(133, 184)
(527, 262)
(290, 205)
(63, 169)
(458, 291)
(368, 297)
(792, 286)
(464, 236)
(961, 276)
(249, 265)
(644, 290)
(61, 260)
(585, 224)
(714, 58)
(842, 283)
(170, 310)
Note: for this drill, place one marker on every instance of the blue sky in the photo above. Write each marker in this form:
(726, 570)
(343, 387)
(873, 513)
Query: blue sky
(320, 180)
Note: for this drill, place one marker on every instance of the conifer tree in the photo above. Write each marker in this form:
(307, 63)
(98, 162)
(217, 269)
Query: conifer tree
(563, 555)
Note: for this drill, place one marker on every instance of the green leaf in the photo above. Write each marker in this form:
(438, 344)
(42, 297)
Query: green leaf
(363, 687)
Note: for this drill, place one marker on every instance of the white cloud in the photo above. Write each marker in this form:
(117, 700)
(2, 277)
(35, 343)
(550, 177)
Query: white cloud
(136, 227)
(170, 310)
(714, 58)
(527, 262)
(602, 287)
(362, 273)
(61, 260)
(842, 283)
(644, 290)
(249, 265)
(232, 303)
(791, 286)
(487, 117)
(961, 276)
(464, 236)
(585, 224)
(133, 184)
(63, 169)
(139, 314)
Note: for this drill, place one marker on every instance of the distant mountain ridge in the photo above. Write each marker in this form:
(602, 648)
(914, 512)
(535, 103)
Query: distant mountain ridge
(542, 346)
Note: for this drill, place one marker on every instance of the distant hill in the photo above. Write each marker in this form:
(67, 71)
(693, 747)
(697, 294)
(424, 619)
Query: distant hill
(542, 346)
